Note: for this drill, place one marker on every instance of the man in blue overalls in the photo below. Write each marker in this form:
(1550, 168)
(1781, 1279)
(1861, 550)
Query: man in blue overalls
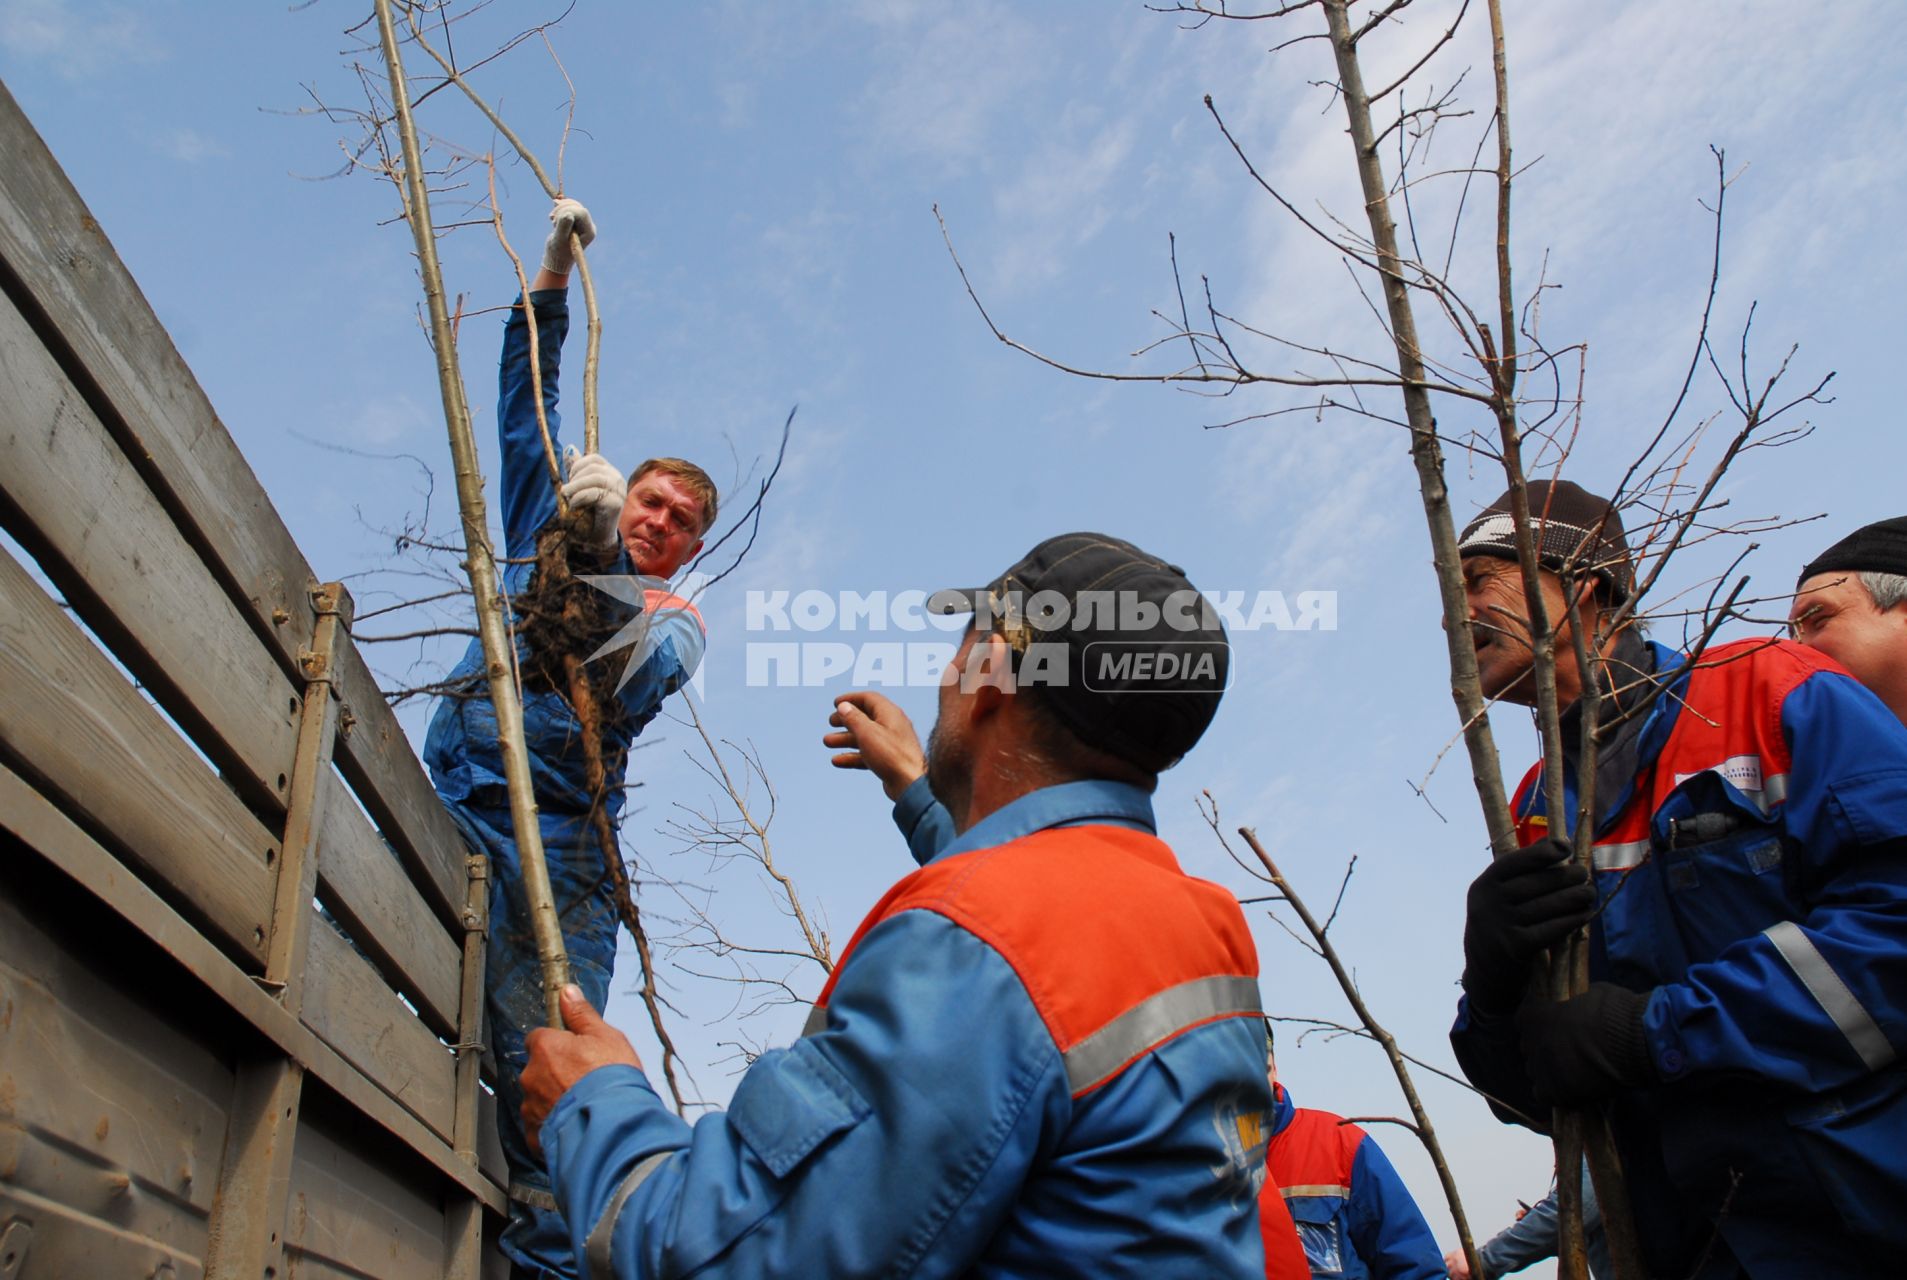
(1748, 949)
(643, 531)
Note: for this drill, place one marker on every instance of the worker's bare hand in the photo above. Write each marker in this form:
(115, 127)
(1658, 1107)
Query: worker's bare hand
(877, 736)
(558, 1059)
(1457, 1265)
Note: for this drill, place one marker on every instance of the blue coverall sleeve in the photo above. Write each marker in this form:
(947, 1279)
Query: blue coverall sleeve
(1822, 1001)
(894, 1141)
(666, 657)
(529, 499)
(1387, 1228)
(924, 821)
(1491, 1057)
(1527, 1241)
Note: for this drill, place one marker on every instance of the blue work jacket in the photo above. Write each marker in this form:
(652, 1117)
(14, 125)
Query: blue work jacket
(1355, 1218)
(932, 1123)
(1753, 880)
(461, 746)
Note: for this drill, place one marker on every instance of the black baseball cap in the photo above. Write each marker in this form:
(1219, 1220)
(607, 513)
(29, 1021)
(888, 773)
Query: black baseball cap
(1124, 649)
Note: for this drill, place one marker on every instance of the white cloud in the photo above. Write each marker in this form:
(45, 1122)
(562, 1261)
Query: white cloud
(738, 101)
(190, 146)
(77, 45)
(1062, 198)
(386, 422)
(803, 261)
(946, 79)
(1615, 110)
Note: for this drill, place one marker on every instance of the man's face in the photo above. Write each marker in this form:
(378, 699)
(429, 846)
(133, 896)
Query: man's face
(949, 755)
(981, 661)
(1834, 613)
(1499, 617)
(661, 524)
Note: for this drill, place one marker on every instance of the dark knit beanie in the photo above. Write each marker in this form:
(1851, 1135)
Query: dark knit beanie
(1574, 530)
(1880, 547)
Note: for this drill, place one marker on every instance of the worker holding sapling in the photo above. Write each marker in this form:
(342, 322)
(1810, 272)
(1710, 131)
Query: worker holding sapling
(1041, 1054)
(580, 715)
(1746, 1020)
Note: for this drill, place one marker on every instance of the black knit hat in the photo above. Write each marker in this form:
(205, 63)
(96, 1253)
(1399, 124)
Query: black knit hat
(1880, 547)
(1574, 530)
(1127, 652)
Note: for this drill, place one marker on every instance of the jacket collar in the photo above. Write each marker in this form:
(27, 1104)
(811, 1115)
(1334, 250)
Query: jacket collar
(1069, 804)
(1282, 1109)
(1635, 744)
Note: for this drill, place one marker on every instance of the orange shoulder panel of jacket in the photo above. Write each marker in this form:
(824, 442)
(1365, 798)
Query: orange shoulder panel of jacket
(1315, 1150)
(1740, 709)
(880, 912)
(654, 601)
(1284, 1252)
(1093, 919)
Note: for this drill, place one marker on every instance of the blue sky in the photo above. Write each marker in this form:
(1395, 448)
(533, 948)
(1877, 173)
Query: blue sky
(763, 177)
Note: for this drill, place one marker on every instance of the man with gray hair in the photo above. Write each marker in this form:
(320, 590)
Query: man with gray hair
(1851, 604)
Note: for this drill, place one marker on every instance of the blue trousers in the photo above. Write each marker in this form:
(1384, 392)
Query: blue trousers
(537, 1239)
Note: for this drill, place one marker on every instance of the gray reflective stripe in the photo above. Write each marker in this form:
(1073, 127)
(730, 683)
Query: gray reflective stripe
(1315, 1189)
(535, 1197)
(817, 1021)
(1831, 994)
(1620, 857)
(602, 1236)
(1153, 1020)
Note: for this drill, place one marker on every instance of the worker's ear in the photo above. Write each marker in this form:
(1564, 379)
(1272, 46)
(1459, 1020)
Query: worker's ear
(988, 674)
(1592, 604)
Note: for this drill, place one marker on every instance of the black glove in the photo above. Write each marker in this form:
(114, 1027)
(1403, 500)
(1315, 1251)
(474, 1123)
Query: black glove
(1585, 1049)
(1523, 903)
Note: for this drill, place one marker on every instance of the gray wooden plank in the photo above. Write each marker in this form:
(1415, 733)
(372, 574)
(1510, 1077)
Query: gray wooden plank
(362, 883)
(46, 830)
(351, 1009)
(63, 274)
(105, 1104)
(72, 498)
(489, 1139)
(79, 726)
(377, 759)
(61, 1241)
(352, 1216)
(111, 1117)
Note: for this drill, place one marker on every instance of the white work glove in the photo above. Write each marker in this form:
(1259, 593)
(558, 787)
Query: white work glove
(596, 486)
(566, 215)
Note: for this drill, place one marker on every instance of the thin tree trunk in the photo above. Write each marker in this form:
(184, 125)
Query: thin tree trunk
(498, 654)
(592, 417)
(1426, 453)
(1420, 1118)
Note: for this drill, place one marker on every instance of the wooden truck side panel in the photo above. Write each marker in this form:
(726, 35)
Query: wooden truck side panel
(241, 943)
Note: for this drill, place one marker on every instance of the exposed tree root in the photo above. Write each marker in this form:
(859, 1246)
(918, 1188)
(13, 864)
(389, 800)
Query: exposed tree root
(562, 621)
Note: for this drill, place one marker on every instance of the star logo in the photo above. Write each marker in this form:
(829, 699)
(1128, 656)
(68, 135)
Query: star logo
(656, 606)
